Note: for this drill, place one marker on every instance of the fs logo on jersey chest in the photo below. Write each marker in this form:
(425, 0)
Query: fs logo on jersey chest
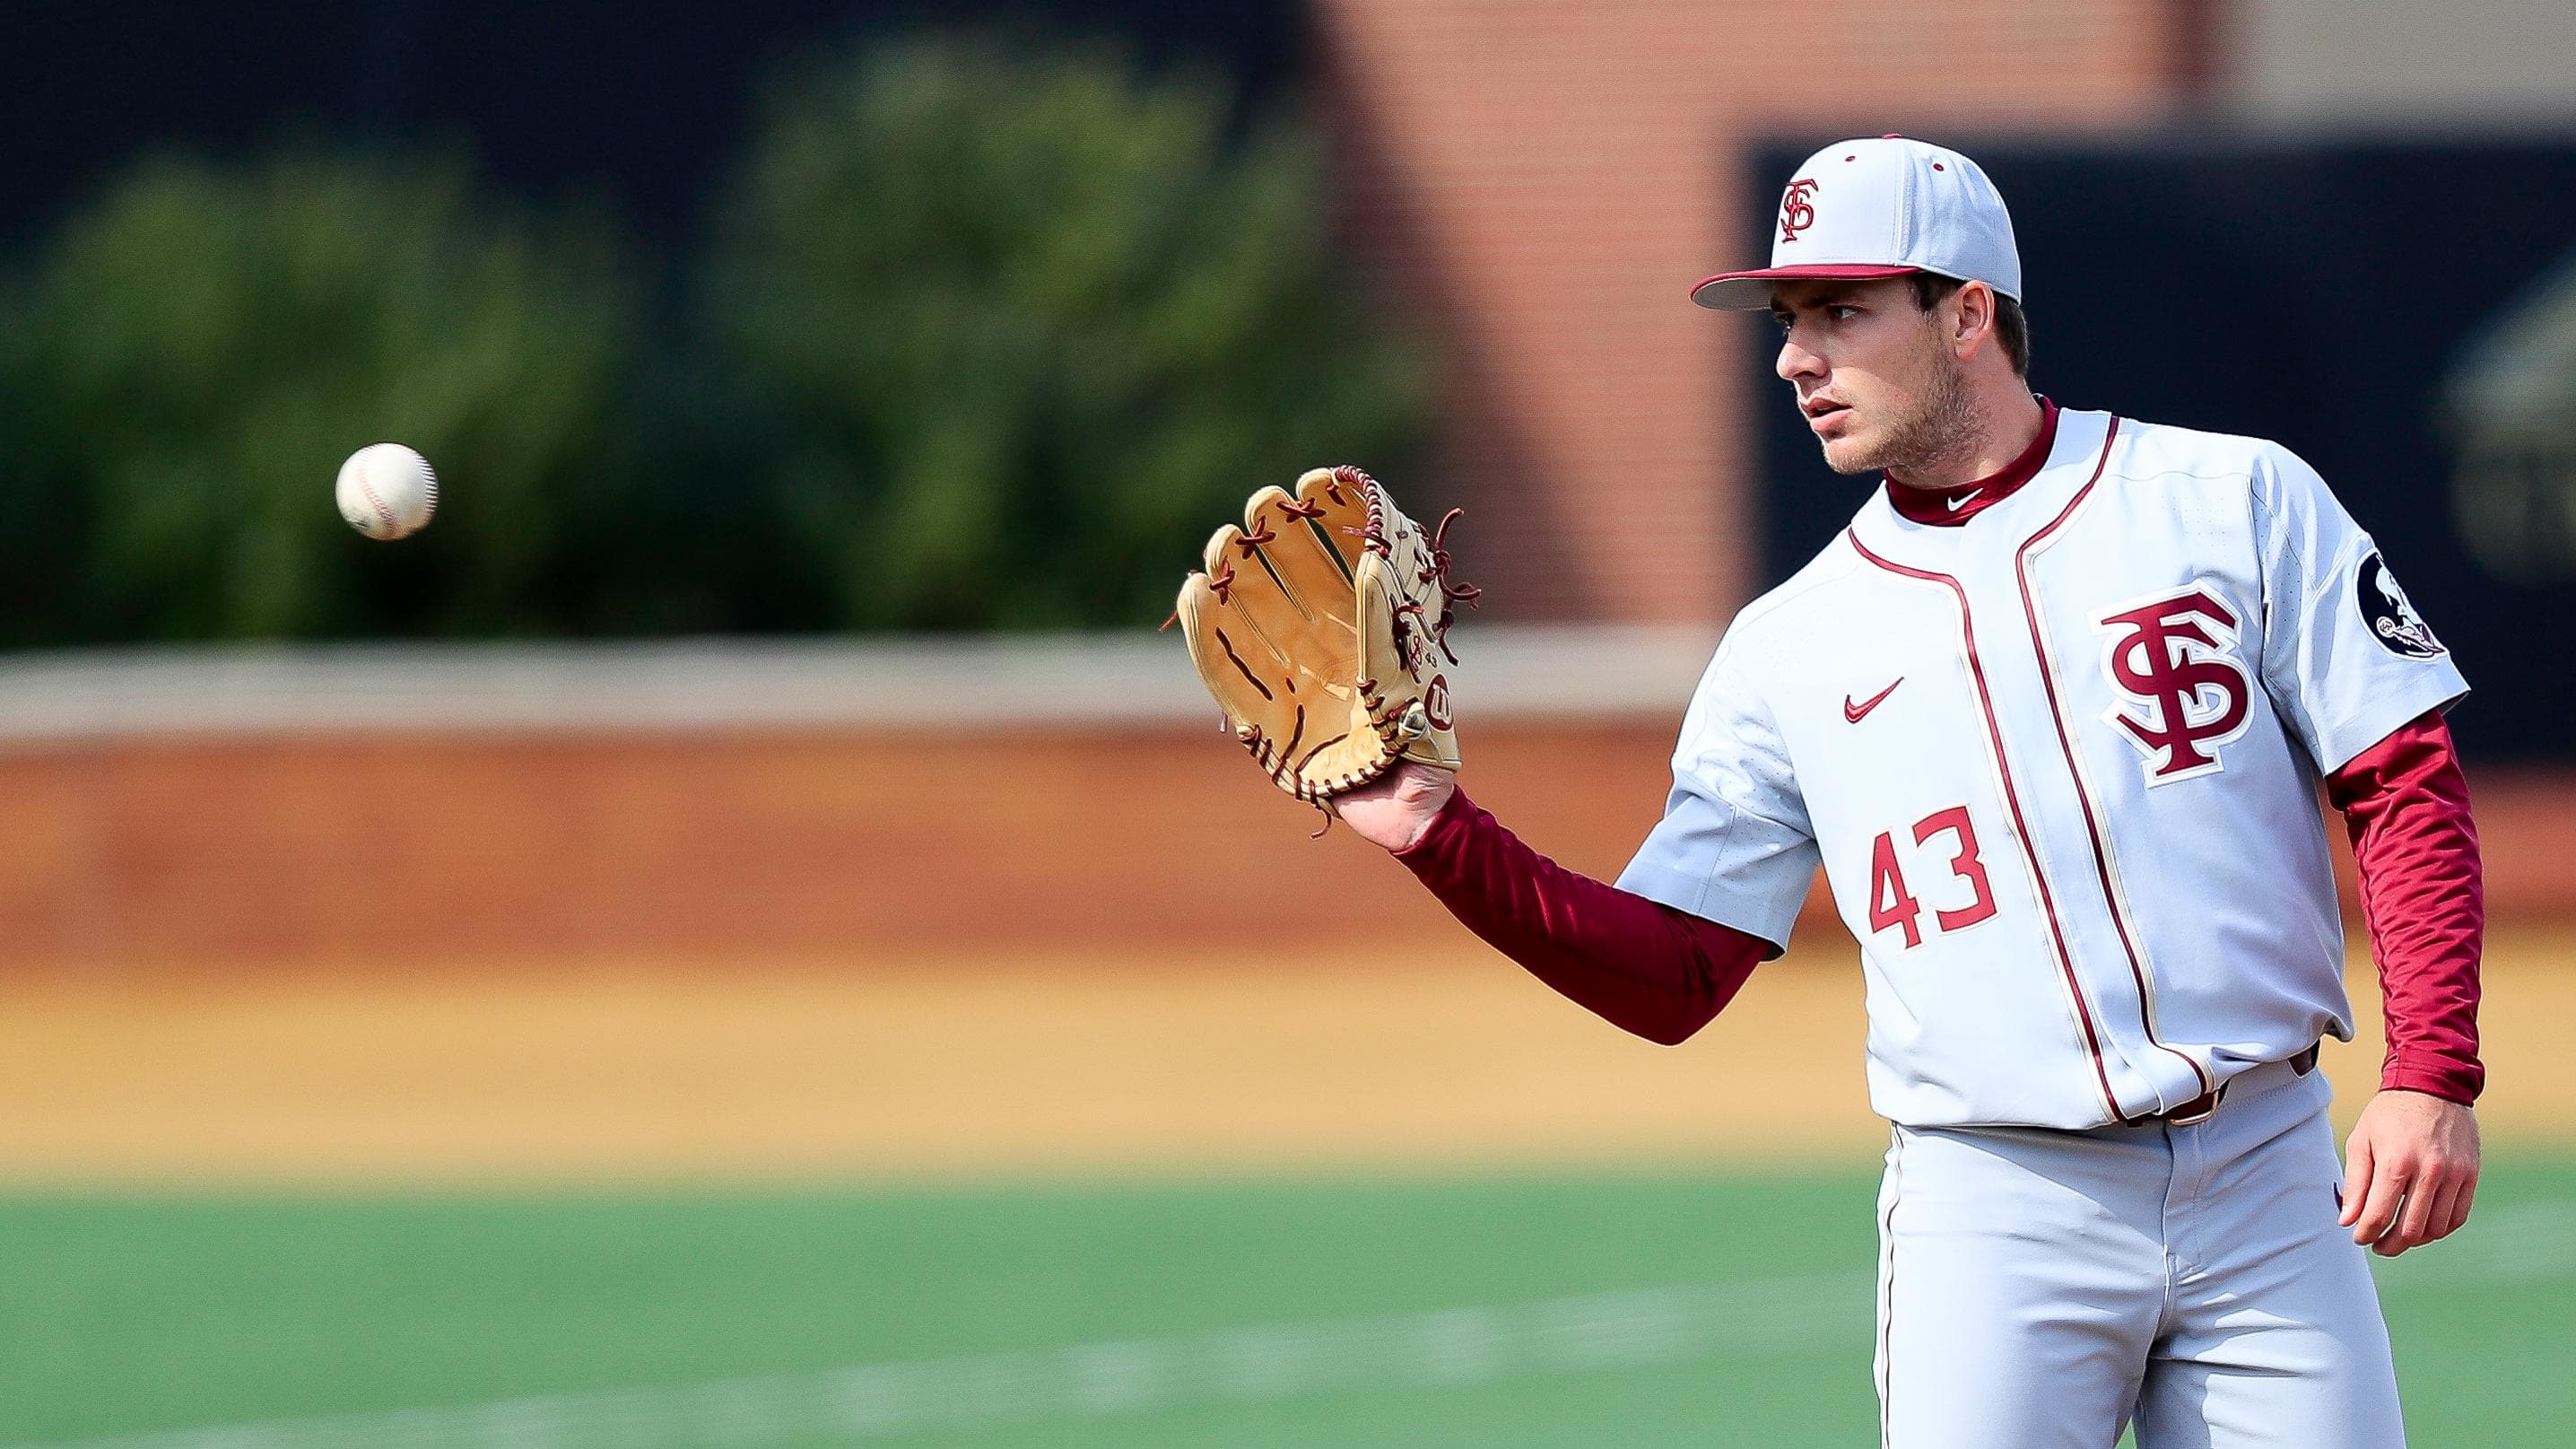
(2178, 692)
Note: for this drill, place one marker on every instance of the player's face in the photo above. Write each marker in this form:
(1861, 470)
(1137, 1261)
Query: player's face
(1876, 382)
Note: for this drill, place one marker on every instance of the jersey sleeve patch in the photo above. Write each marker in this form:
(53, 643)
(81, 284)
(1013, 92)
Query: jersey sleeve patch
(2390, 616)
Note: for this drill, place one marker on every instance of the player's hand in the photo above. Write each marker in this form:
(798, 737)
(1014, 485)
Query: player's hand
(2410, 1170)
(1395, 808)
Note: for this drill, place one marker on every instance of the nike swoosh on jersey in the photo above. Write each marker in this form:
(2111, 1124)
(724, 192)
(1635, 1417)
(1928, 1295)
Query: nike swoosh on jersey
(1953, 504)
(1854, 712)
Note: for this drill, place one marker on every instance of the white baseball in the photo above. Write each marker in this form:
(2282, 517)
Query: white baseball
(387, 491)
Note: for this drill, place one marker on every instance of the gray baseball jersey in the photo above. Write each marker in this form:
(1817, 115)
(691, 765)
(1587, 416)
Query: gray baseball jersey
(2060, 767)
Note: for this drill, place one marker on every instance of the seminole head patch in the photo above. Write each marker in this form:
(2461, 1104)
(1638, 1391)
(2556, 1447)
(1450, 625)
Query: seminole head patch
(2392, 618)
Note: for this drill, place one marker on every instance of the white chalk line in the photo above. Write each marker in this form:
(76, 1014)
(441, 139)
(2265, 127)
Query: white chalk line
(1442, 1349)
(1745, 1321)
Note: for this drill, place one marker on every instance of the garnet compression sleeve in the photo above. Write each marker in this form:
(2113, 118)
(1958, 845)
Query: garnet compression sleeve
(2422, 897)
(1640, 965)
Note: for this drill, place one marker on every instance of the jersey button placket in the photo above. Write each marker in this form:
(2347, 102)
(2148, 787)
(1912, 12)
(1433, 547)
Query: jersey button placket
(2078, 820)
(2053, 823)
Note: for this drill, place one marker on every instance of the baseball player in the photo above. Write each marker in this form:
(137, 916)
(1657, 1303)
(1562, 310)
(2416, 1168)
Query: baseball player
(2052, 715)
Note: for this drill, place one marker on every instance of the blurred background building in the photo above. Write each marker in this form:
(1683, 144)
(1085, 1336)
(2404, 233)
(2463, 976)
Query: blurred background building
(1527, 189)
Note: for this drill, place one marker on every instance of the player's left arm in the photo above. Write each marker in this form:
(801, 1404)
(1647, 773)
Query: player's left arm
(2362, 681)
(2411, 1164)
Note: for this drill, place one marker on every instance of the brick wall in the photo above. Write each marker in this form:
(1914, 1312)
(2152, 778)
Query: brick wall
(823, 847)
(1547, 179)
(830, 848)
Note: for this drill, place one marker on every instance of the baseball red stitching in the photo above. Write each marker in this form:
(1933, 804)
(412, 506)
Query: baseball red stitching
(378, 504)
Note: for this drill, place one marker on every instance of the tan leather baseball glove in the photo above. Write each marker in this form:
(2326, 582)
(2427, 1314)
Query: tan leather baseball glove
(1321, 626)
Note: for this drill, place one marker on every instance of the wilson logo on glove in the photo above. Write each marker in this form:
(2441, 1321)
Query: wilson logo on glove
(1320, 626)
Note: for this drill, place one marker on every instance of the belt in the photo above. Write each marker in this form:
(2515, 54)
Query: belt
(2205, 1106)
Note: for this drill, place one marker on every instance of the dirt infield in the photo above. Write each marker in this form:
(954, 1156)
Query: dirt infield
(936, 1066)
(851, 848)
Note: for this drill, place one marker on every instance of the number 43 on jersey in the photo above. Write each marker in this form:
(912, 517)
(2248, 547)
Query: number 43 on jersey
(1892, 903)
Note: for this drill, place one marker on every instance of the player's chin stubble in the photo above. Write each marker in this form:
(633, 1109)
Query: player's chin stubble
(1942, 425)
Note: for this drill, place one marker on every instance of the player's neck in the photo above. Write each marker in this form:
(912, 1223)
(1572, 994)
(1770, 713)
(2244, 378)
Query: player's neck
(2001, 430)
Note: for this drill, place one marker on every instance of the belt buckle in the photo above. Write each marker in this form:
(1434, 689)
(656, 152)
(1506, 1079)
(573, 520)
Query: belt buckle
(2205, 1106)
(2198, 1109)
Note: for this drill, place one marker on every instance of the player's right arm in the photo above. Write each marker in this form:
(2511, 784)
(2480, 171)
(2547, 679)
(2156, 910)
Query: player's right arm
(1710, 896)
(1643, 967)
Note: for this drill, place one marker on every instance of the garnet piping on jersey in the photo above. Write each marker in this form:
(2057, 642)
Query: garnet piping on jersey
(2111, 895)
(2021, 827)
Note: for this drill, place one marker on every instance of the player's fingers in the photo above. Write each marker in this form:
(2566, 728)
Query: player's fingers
(2444, 1216)
(2460, 1205)
(2356, 1178)
(2380, 1200)
(2428, 1196)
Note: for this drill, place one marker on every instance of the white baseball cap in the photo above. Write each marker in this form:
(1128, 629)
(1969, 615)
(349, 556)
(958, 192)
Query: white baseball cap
(1888, 207)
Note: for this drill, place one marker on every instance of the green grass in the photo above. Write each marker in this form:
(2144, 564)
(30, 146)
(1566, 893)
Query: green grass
(130, 1315)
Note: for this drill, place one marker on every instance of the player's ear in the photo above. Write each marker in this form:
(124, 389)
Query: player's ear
(1972, 323)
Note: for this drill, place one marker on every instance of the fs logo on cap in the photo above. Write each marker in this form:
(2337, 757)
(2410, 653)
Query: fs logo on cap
(1795, 214)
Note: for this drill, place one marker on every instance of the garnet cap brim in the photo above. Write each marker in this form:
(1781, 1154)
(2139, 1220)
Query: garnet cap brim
(1751, 291)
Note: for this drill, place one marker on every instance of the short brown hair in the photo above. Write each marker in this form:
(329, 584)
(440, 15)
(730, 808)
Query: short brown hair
(2011, 327)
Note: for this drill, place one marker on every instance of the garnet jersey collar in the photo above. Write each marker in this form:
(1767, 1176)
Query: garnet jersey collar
(2079, 444)
(1950, 507)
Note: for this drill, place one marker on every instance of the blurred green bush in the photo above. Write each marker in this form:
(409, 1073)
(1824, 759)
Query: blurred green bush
(987, 334)
(189, 359)
(1032, 325)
